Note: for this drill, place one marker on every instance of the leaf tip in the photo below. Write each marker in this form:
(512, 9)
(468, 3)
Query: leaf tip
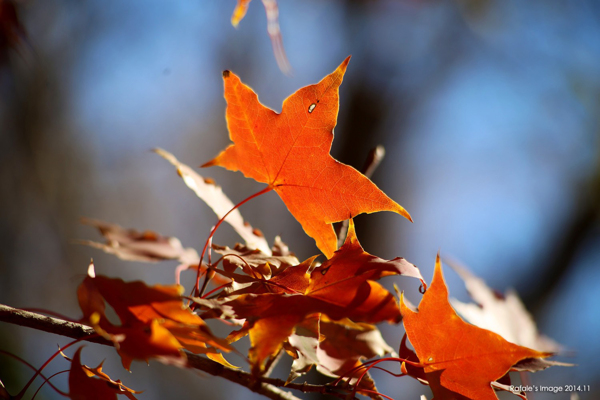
(397, 208)
(209, 164)
(406, 307)
(91, 272)
(347, 60)
(226, 74)
(437, 273)
(239, 12)
(344, 65)
(351, 234)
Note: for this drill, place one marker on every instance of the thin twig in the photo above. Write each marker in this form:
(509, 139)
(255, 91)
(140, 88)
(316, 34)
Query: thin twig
(199, 292)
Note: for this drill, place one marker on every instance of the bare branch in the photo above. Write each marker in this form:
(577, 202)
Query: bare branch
(49, 324)
(78, 331)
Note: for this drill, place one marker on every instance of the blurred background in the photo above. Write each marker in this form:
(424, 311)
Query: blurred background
(488, 110)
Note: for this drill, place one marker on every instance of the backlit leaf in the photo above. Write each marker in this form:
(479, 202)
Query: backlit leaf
(154, 321)
(290, 152)
(460, 360)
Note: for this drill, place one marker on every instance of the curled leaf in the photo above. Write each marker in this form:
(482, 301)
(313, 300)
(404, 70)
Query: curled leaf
(334, 347)
(87, 383)
(254, 262)
(146, 246)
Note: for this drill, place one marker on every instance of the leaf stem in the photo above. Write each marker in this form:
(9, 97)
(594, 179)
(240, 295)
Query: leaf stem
(38, 372)
(7, 353)
(198, 292)
(47, 380)
(376, 393)
(371, 364)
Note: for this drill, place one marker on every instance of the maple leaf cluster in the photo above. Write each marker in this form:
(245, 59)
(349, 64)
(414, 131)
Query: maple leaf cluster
(323, 313)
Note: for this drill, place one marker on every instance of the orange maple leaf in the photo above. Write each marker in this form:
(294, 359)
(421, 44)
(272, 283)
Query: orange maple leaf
(460, 360)
(154, 321)
(290, 152)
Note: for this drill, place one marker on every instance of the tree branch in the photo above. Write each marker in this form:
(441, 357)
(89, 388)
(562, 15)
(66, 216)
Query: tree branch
(49, 324)
(78, 331)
